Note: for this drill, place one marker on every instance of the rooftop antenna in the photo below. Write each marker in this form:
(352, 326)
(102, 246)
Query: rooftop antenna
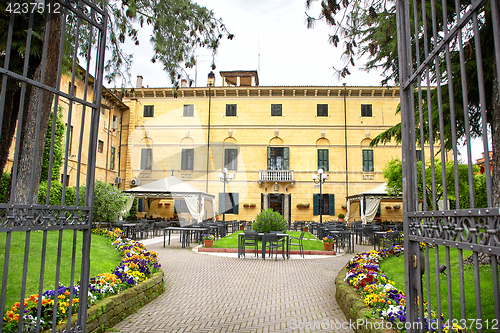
(258, 56)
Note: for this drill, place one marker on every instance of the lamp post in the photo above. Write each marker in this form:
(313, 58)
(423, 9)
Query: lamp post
(225, 178)
(320, 178)
(211, 81)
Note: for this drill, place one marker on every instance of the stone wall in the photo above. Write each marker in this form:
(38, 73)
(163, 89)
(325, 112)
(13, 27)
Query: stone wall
(111, 310)
(354, 308)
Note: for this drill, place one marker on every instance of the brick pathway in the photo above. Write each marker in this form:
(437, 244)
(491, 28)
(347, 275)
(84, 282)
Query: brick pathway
(219, 294)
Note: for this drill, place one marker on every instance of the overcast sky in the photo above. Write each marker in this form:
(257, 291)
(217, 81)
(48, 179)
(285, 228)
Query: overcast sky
(271, 37)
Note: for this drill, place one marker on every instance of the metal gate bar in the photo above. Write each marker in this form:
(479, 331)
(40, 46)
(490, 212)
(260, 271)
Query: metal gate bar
(439, 34)
(79, 18)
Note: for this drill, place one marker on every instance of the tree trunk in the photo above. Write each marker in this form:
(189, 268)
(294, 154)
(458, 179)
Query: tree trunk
(29, 143)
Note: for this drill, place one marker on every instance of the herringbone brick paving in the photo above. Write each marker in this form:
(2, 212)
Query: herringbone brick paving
(220, 294)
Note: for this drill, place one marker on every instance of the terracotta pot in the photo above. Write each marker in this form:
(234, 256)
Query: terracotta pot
(208, 243)
(328, 247)
(306, 229)
(242, 227)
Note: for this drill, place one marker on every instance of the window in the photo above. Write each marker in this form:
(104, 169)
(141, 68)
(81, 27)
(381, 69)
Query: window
(276, 110)
(67, 179)
(231, 159)
(115, 123)
(419, 155)
(278, 158)
(70, 138)
(322, 110)
(69, 89)
(149, 110)
(188, 110)
(326, 206)
(100, 146)
(112, 159)
(231, 110)
(230, 204)
(146, 159)
(323, 161)
(366, 110)
(187, 159)
(367, 160)
(140, 205)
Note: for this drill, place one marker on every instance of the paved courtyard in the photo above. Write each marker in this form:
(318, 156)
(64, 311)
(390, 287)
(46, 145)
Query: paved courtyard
(207, 293)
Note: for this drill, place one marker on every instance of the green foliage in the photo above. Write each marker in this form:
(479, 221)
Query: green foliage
(4, 186)
(132, 213)
(269, 220)
(341, 216)
(108, 202)
(393, 173)
(57, 157)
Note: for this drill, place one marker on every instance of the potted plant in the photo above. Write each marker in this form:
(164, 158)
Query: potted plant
(252, 205)
(344, 207)
(341, 218)
(246, 205)
(299, 205)
(397, 206)
(208, 240)
(242, 226)
(328, 243)
(388, 207)
(305, 227)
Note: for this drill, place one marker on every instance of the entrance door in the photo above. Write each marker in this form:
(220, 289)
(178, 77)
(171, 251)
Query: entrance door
(276, 203)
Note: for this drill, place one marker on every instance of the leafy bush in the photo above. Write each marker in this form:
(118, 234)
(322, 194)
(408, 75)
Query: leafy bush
(341, 216)
(4, 186)
(132, 213)
(108, 202)
(269, 220)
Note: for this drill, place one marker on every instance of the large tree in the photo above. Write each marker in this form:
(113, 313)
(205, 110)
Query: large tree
(178, 28)
(368, 28)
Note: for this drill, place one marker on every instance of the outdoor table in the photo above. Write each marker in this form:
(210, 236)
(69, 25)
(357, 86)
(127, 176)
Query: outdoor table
(185, 232)
(263, 248)
(129, 227)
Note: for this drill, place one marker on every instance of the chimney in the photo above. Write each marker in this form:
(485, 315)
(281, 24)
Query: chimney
(183, 83)
(211, 79)
(139, 81)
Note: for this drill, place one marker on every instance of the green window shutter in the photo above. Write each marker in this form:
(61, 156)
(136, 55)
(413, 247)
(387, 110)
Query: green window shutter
(315, 204)
(268, 158)
(323, 161)
(112, 159)
(236, 202)
(183, 160)
(286, 158)
(331, 204)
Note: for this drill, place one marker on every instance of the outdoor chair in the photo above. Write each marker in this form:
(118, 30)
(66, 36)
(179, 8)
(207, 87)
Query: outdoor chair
(298, 241)
(273, 244)
(250, 239)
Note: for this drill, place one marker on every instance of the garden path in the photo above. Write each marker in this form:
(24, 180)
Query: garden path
(224, 294)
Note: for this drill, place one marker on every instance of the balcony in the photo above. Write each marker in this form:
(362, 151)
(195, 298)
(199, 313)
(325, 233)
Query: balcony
(275, 176)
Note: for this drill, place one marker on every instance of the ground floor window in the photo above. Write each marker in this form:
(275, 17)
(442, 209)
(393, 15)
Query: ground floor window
(325, 206)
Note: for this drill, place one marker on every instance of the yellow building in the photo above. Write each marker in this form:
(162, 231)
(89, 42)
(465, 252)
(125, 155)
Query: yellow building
(272, 139)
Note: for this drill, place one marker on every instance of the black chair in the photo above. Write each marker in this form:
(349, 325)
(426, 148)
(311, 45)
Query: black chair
(250, 239)
(273, 243)
(299, 243)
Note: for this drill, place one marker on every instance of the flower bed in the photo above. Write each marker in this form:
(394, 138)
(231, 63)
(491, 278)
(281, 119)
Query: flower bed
(137, 266)
(378, 292)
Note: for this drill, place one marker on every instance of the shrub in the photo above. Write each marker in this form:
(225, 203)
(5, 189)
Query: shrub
(4, 186)
(269, 220)
(341, 216)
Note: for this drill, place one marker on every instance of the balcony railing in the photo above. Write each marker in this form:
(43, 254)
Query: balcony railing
(276, 175)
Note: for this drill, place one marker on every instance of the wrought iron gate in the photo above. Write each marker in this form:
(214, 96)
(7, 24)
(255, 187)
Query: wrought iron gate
(449, 61)
(42, 47)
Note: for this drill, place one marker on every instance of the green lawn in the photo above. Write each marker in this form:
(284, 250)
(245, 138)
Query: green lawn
(103, 258)
(310, 241)
(394, 269)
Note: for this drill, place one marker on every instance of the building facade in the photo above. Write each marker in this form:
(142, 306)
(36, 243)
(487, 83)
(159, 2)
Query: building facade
(272, 139)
